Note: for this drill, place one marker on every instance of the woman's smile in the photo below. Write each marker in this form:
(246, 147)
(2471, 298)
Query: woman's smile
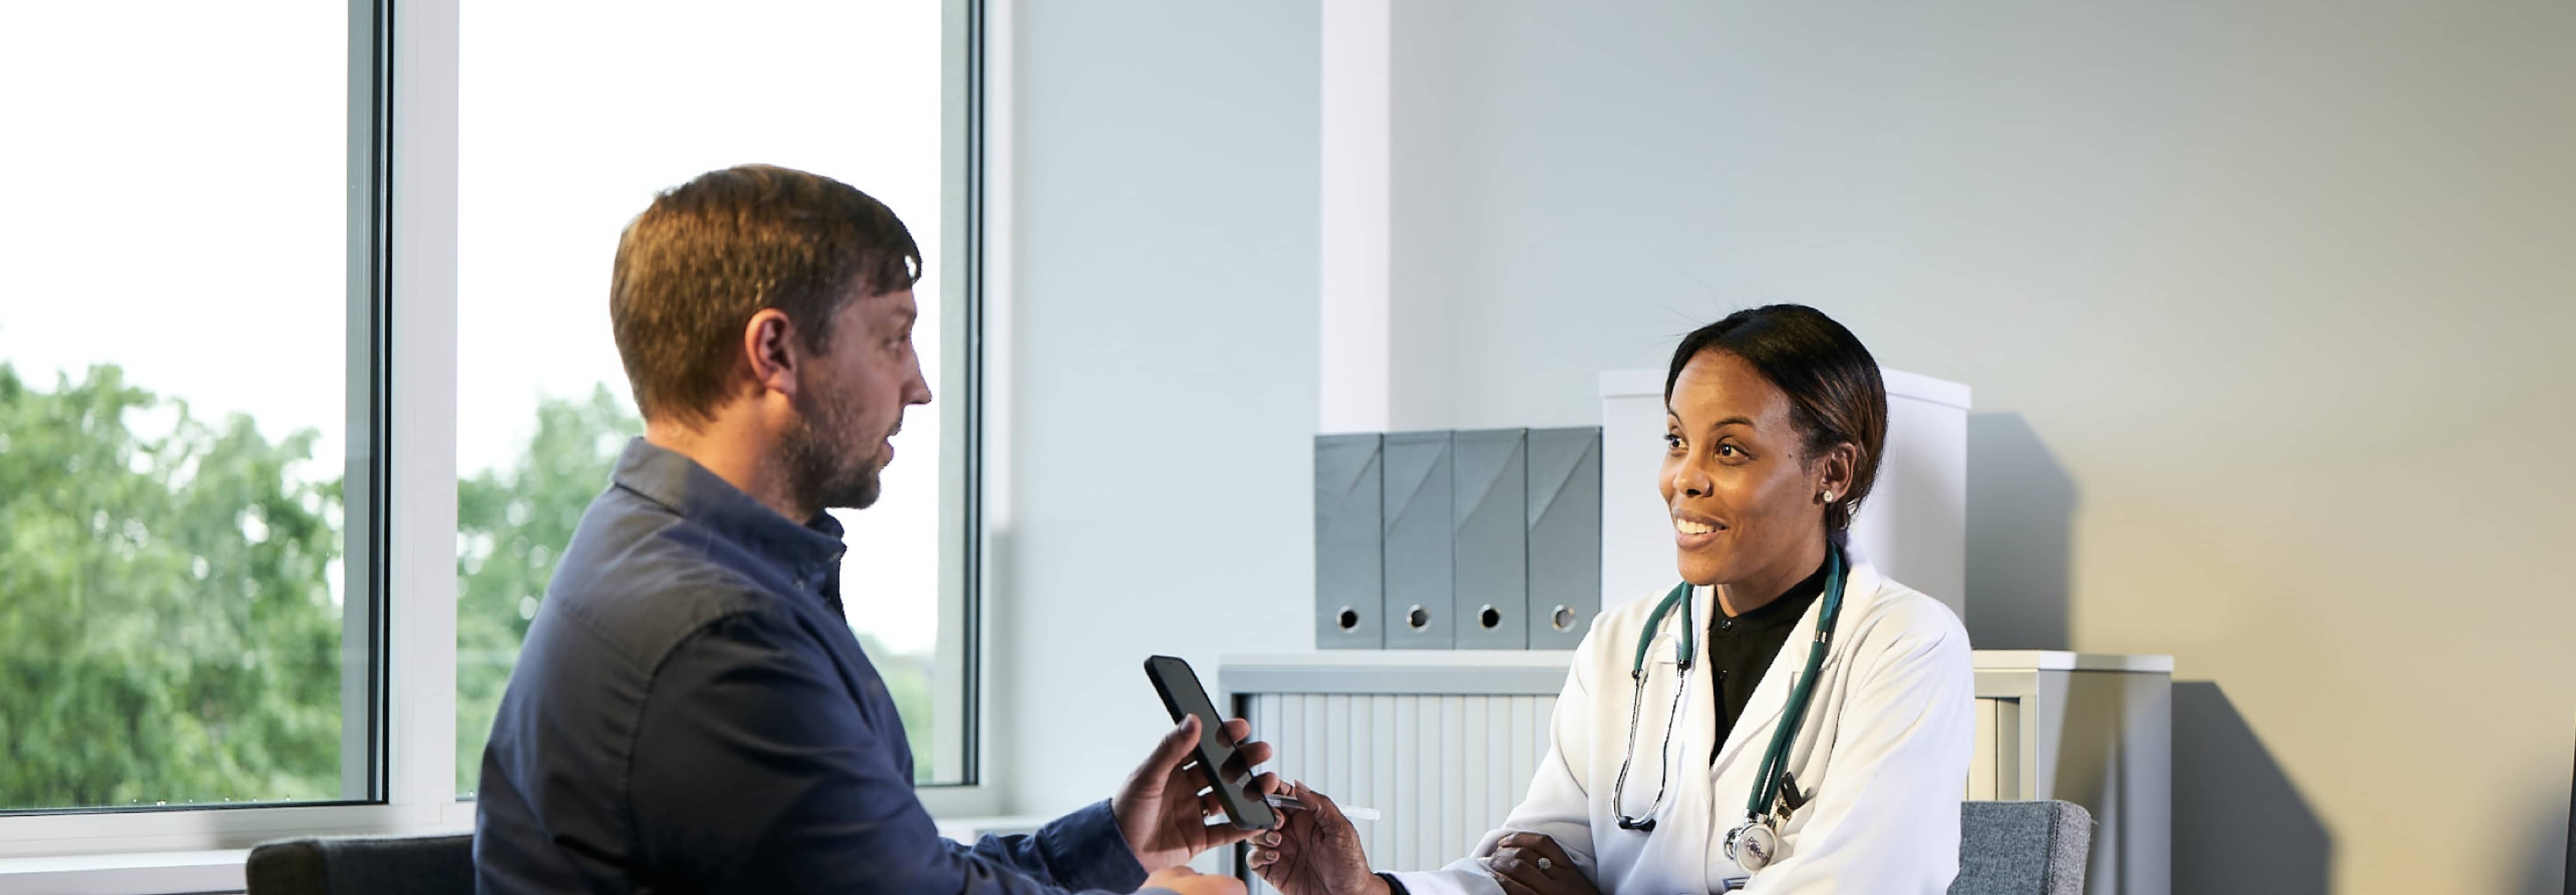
(1692, 531)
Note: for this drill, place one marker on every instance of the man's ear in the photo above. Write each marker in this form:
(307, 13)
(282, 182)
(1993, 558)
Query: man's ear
(769, 346)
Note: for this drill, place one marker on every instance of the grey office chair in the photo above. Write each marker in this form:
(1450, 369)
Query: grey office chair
(2022, 848)
(394, 865)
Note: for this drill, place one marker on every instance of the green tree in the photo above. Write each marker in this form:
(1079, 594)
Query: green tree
(168, 631)
(511, 525)
(168, 627)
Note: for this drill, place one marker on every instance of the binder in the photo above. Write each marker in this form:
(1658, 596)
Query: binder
(1418, 611)
(1564, 520)
(1489, 481)
(1350, 587)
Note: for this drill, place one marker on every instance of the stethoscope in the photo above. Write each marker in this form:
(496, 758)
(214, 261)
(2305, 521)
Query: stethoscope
(1754, 843)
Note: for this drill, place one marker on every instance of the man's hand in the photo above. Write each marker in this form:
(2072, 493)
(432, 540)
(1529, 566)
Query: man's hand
(1316, 852)
(1191, 882)
(1533, 864)
(1161, 810)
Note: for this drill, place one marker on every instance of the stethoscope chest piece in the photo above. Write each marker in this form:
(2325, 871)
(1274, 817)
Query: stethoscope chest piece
(1752, 845)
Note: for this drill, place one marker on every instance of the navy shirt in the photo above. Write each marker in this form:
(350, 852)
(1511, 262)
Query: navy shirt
(691, 713)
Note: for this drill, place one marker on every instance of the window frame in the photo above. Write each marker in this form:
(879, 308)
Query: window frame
(404, 57)
(394, 63)
(967, 329)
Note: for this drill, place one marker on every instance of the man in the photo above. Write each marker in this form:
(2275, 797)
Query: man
(691, 712)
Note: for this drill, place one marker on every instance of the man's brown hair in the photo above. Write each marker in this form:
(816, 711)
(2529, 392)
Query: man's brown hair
(708, 254)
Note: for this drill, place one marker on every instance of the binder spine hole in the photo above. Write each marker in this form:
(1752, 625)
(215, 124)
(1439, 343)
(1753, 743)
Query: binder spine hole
(1349, 619)
(1490, 617)
(1563, 618)
(1418, 618)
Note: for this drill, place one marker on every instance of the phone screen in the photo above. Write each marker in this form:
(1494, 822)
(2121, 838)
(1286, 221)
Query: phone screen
(1182, 695)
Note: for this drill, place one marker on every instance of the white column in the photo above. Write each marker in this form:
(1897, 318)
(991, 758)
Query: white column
(1355, 147)
(422, 644)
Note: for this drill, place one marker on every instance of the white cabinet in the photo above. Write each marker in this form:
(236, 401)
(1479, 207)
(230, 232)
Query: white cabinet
(2095, 730)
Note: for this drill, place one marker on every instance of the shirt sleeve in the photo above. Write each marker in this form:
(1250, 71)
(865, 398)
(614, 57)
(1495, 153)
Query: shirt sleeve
(1082, 850)
(754, 770)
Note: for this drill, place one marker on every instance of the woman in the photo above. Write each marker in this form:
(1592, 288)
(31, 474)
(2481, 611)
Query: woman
(1775, 419)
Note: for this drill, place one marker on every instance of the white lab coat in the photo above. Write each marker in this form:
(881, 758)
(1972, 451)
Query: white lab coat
(1884, 753)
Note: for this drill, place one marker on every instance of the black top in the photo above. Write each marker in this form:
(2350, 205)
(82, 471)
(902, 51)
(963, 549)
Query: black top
(1740, 648)
(692, 714)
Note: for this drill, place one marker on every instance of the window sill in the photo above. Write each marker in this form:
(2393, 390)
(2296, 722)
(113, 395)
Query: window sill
(193, 872)
(969, 829)
(126, 873)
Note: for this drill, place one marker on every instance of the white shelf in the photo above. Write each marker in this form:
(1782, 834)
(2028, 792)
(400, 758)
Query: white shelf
(1401, 658)
(1479, 672)
(1988, 660)
(218, 870)
(2060, 660)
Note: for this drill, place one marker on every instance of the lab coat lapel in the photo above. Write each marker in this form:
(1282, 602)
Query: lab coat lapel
(1752, 732)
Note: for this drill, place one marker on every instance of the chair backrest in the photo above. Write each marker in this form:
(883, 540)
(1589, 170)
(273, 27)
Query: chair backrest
(2022, 848)
(391, 865)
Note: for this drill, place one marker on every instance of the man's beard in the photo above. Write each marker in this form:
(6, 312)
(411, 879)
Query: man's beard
(822, 466)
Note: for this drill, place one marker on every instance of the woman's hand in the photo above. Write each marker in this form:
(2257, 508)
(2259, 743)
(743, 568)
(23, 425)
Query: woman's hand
(1533, 864)
(1314, 852)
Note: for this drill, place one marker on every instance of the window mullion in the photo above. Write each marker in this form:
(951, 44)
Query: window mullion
(421, 642)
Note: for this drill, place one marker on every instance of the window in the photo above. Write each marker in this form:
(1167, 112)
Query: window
(186, 606)
(572, 116)
(226, 300)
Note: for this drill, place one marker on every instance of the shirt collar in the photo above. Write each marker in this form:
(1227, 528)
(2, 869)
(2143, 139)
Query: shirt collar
(1791, 605)
(673, 480)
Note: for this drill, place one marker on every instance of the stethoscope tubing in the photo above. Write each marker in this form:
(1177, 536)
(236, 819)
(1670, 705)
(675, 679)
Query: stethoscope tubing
(1773, 772)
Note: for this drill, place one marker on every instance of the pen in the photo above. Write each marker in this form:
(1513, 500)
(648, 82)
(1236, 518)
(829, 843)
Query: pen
(1279, 801)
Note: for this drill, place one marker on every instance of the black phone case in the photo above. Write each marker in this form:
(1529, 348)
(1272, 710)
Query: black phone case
(1241, 807)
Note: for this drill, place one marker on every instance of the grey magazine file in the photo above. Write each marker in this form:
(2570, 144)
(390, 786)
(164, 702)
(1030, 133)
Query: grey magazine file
(1350, 584)
(1418, 575)
(1489, 476)
(1564, 535)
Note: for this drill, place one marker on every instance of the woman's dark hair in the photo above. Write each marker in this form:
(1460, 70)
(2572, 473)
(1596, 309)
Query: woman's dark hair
(1834, 391)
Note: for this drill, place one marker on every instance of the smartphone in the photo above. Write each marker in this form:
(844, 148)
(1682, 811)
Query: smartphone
(1182, 695)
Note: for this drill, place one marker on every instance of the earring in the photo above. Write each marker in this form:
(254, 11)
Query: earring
(1829, 497)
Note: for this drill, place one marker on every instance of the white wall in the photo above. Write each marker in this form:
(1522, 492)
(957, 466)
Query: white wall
(2268, 308)
(1164, 378)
